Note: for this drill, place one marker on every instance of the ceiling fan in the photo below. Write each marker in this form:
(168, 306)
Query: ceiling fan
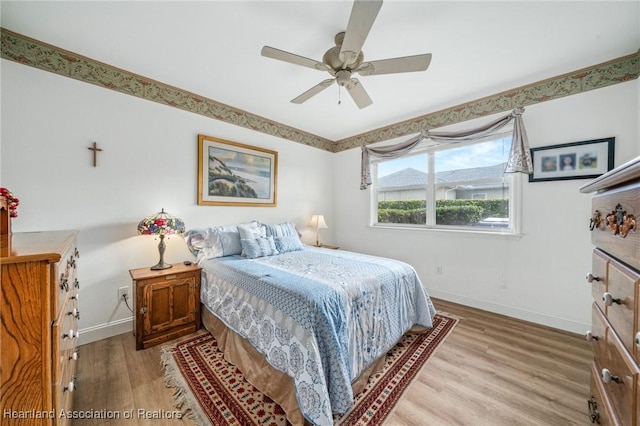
(346, 57)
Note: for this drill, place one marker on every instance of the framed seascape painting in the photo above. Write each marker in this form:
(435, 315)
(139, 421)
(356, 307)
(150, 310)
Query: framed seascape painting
(575, 160)
(231, 173)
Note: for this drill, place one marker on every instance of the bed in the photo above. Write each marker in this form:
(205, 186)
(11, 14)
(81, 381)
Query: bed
(305, 325)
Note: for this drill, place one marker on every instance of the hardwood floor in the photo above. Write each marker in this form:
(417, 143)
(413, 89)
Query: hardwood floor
(492, 370)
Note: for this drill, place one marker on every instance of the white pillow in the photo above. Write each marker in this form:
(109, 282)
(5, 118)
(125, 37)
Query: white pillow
(217, 241)
(251, 231)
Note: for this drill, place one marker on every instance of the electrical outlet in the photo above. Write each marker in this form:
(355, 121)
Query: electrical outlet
(438, 270)
(123, 293)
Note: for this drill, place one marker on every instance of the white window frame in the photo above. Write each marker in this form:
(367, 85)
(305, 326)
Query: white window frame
(515, 190)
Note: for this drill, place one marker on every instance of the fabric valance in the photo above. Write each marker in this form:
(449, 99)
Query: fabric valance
(519, 157)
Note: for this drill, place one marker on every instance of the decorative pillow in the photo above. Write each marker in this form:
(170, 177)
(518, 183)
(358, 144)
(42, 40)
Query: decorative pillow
(195, 240)
(258, 247)
(216, 241)
(251, 231)
(281, 229)
(204, 243)
(288, 243)
(230, 242)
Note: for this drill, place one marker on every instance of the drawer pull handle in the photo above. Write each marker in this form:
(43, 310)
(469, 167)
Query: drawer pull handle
(76, 283)
(71, 386)
(71, 334)
(76, 297)
(637, 340)
(64, 283)
(595, 220)
(74, 356)
(590, 336)
(76, 253)
(620, 222)
(75, 313)
(607, 377)
(591, 278)
(594, 416)
(609, 300)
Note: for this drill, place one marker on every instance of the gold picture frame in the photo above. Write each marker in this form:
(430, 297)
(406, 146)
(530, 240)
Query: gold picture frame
(235, 174)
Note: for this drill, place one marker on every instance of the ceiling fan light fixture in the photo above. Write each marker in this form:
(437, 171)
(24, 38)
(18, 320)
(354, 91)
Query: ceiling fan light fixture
(346, 58)
(343, 77)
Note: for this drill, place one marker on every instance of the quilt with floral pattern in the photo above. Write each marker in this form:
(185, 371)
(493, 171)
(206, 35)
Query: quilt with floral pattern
(321, 316)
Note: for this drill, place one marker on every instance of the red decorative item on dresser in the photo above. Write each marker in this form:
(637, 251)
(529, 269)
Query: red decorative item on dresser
(8, 209)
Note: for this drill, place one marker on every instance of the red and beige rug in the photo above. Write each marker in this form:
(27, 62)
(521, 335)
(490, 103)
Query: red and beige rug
(212, 391)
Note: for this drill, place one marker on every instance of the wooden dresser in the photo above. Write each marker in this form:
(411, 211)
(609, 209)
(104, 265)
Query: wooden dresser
(39, 330)
(615, 282)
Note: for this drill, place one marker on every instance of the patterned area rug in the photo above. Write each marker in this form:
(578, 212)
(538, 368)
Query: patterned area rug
(214, 392)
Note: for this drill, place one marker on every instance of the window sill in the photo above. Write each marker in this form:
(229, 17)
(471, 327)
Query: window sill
(450, 231)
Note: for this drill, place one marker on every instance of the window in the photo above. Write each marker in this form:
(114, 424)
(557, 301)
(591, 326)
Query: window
(449, 187)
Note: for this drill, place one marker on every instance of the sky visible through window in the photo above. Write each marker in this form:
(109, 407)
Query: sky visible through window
(478, 155)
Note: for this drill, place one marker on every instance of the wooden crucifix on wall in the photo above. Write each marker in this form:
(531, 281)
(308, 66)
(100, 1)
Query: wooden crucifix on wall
(95, 150)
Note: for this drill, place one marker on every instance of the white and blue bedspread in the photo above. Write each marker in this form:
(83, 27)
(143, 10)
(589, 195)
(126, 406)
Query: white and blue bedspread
(321, 316)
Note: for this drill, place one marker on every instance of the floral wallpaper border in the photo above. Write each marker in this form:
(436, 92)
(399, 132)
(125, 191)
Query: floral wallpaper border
(605, 74)
(37, 54)
(28, 51)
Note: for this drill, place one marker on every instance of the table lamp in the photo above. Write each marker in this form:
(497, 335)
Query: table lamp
(317, 221)
(161, 224)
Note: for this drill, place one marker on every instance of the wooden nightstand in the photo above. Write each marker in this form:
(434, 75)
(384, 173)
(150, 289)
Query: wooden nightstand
(167, 303)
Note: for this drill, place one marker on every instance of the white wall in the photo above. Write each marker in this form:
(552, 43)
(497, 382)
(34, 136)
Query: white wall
(538, 277)
(148, 163)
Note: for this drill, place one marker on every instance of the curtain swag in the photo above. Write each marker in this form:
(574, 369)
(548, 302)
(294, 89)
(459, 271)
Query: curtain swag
(519, 157)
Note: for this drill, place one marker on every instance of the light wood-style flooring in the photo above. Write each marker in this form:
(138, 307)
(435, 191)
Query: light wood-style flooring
(492, 370)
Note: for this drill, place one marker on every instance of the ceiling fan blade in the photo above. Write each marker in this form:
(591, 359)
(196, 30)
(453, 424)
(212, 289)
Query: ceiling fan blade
(357, 92)
(363, 14)
(281, 55)
(395, 65)
(313, 91)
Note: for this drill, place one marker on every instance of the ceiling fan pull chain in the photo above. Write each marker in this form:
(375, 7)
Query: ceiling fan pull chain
(339, 95)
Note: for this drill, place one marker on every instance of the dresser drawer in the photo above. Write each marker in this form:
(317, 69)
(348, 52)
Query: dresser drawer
(621, 286)
(65, 338)
(65, 278)
(613, 238)
(64, 393)
(600, 408)
(598, 277)
(599, 327)
(619, 374)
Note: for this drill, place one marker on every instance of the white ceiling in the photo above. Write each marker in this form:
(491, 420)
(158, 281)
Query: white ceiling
(212, 48)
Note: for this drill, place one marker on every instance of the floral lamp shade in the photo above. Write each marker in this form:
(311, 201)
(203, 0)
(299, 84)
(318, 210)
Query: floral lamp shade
(161, 224)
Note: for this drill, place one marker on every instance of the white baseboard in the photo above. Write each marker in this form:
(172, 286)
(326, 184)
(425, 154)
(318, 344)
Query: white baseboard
(535, 317)
(104, 331)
